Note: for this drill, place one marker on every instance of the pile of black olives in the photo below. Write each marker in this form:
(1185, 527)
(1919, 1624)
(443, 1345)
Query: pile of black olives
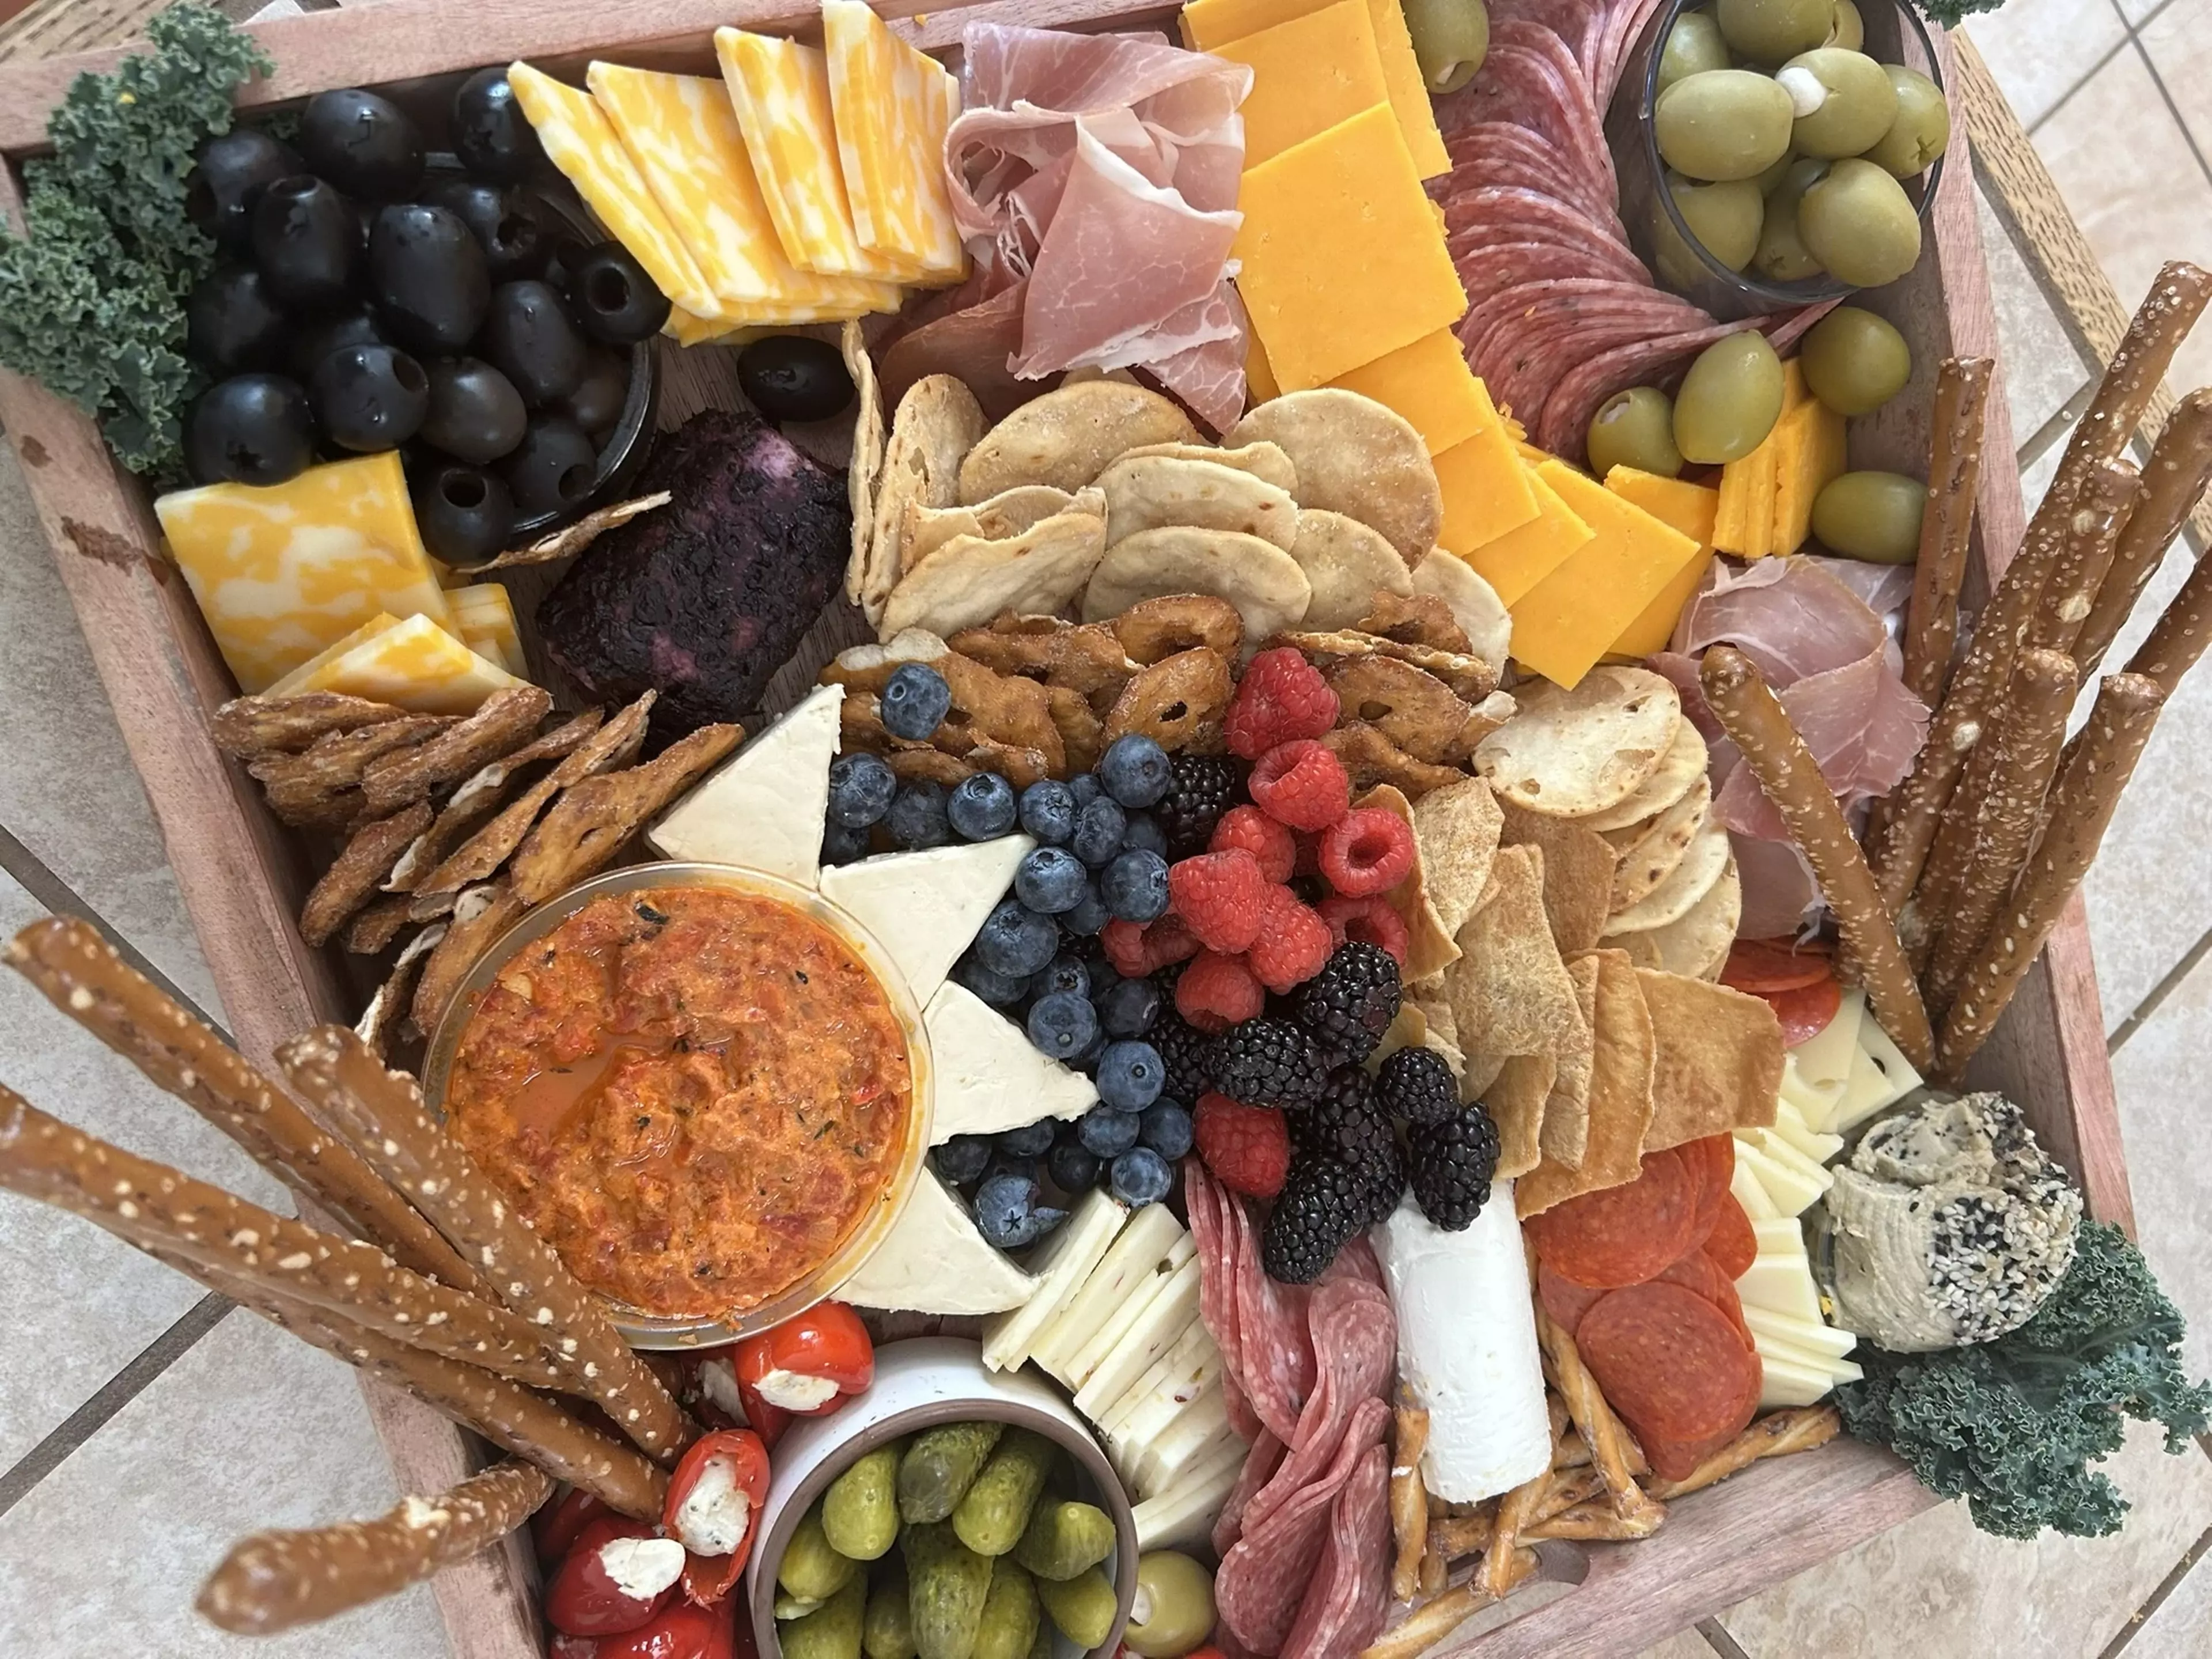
(367, 301)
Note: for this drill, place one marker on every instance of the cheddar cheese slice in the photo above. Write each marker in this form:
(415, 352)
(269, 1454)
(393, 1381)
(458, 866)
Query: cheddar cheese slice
(1690, 508)
(1308, 74)
(1813, 452)
(1259, 376)
(581, 141)
(1518, 561)
(1487, 486)
(484, 617)
(414, 664)
(1562, 625)
(892, 112)
(1429, 383)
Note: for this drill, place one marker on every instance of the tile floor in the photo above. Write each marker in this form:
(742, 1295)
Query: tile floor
(142, 1427)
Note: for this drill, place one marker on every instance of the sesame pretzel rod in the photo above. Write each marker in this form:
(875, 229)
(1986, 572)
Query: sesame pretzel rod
(2181, 633)
(2107, 498)
(80, 974)
(1409, 1498)
(2173, 483)
(1775, 1435)
(382, 1113)
(153, 1206)
(2023, 758)
(2094, 769)
(1432, 1621)
(1954, 470)
(1587, 1406)
(1747, 711)
(275, 1580)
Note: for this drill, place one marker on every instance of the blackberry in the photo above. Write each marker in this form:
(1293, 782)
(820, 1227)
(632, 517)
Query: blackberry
(1346, 1124)
(1322, 1204)
(1452, 1163)
(1268, 1062)
(1417, 1086)
(1350, 1004)
(1200, 788)
(1183, 1049)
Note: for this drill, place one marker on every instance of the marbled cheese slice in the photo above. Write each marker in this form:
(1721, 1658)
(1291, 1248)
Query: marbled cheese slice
(581, 141)
(891, 109)
(414, 664)
(282, 572)
(484, 615)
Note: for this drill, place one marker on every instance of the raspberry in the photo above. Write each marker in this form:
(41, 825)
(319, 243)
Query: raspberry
(1216, 992)
(1136, 951)
(1293, 943)
(1249, 827)
(1220, 895)
(1369, 851)
(1247, 1147)
(1370, 920)
(1301, 784)
(1281, 696)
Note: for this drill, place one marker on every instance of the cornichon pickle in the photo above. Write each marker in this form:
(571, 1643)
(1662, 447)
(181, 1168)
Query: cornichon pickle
(860, 1512)
(1047, 1641)
(1083, 1606)
(1063, 1539)
(940, 1465)
(832, 1630)
(995, 1508)
(810, 1569)
(946, 1584)
(1011, 1614)
(888, 1632)
(1451, 39)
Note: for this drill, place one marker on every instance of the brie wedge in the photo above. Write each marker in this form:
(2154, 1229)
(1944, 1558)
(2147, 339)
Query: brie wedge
(764, 808)
(925, 908)
(935, 1261)
(990, 1077)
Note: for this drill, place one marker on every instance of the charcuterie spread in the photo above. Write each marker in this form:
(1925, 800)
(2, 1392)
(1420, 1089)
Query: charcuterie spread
(1202, 804)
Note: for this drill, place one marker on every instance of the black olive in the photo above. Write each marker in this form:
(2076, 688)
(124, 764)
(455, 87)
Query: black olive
(428, 275)
(305, 242)
(491, 135)
(475, 414)
(232, 171)
(528, 337)
(616, 302)
(597, 403)
(789, 377)
(464, 512)
(364, 145)
(314, 341)
(368, 397)
(561, 266)
(552, 469)
(249, 430)
(233, 322)
(503, 221)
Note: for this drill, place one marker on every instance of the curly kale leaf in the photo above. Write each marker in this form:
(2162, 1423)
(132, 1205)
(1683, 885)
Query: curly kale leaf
(92, 295)
(1951, 13)
(2013, 1425)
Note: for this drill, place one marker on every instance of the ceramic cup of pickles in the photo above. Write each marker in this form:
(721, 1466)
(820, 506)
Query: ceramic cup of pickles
(1776, 153)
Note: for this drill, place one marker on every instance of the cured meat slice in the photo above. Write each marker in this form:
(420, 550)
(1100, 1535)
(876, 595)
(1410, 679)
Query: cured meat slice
(1675, 1460)
(1711, 1159)
(1205, 1199)
(1276, 1352)
(1259, 1465)
(1343, 1609)
(1806, 1010)
(1670, 1363)
(1498, 264)
(1620, 1236)
(1493, 143)
(1566, 76)
(1624, 25)
(1697, 1273)
(1565, 1300)
(1355, 1339)
(1238, 1405)
(1759, 965)
(1484, 216)
(1733, 1244)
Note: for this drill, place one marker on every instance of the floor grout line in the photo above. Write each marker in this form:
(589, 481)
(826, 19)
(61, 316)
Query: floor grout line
(2158, 993)
(2061, 421)
(1719, 1639)
(2150, 67)
(2167, 1586)
(2127, 38)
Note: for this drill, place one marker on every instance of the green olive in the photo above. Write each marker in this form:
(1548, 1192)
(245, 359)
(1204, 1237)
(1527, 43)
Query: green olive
(1859, 224)
(1635, 427)
(1854, 360)
(1693, 45)
(1724, 217)
(1844, 101)
(1774, 175)
(1783, 256)
(1922, 129)
(1774, 31)
(1729, 399)
(1723, 123)
(1847, 29)
(1451, 39)
(1173, 1612)
(1874, 516)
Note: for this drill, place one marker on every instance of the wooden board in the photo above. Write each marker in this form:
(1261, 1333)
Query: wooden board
(242, 879)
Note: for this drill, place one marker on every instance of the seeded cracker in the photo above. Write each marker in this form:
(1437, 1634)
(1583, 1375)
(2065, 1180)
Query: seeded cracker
(245, 727)
(1573, 753)
(593, 818)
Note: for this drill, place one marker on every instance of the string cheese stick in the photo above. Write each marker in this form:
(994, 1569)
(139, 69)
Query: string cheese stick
(2107, 497)
(1801, 1428)
(1954, 470)
(2173, 483)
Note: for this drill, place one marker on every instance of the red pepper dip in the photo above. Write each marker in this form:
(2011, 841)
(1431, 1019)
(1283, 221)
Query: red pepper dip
(694, 1096)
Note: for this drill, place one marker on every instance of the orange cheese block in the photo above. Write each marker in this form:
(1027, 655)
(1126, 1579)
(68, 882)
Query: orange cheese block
(1308, 74)
(1573, 617)
(1690, 508)
(1749, 485)
(1429, 383)
(1259, 376)
(1812, 453)
(1519, 559)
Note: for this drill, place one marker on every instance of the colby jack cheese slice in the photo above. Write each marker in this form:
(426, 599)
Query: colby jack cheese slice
(891, 109)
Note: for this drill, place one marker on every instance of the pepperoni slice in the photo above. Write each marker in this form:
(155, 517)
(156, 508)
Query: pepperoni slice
(1759, 966)
(1732, 1243)
(1670, 1363)
(1563, 1300)
(1620, 1236)
(1712, 1160)
(1677, 1460)
(1805, 1010)
(1699, 1272)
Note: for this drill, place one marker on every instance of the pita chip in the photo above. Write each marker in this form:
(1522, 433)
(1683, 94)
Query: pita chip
(1718, 1064)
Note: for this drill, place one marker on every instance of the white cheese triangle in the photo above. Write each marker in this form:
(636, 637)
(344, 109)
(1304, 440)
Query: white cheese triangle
(765, 810)
(935, 1261)
(990, 1075)
(925, 908)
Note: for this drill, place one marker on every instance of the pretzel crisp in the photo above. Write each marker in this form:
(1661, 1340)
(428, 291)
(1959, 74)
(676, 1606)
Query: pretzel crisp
(505, 721)
(2107, 497)
(382, 1112)
(2173, 483)
(352, 878)
(1954, 470)
(274, 1581)
(248, 727)
(1749, 713)
(1800, 1428)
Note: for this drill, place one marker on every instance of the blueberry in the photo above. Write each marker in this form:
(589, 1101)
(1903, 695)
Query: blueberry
(1049, 880)
(1106, 1133)
(1128, 1009)
(1086, 1058)
(861, 790)
(994, 987)
(983, 806)
(1099, 829)
(1063, 973)
(1014, 940)
(1140, 1176)
(1061, 1024)
(1144, 835)
(1006, 1211)
(914, 701)
(1085, 787)
(1030, 1170)
(1089, 916)
(1072, 1166)
(917, 817)
(842, 846)
(1166, 1128)
(1134, 771)
(1135, 887)
(1030, 1140)
(1131, 1075)
(963, 1158)
(1048, 811)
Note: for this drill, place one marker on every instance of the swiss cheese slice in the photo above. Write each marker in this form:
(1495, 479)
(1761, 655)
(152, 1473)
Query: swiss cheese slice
(891, 109)
(1569, 620)
(933, 1260)
(1309, 72)
(925, 908)
(1786, 1382)
(765, 807)
(1142, 1245)
(1781, 1281)
(1165, 1320)
(413, 664)
(1106, 1338)
(483, 616)
(1514, 562)
(990, 1077)
(1690, 508)
(1183, 1516)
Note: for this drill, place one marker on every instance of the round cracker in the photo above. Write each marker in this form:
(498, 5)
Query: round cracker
(1686, 884)
(1652, 856)
(968, 580)
(1067, 437)
(1571, 753)
(1265, 462)
(1346, 562)
(1355, 457)
(1681, 766)
(1474, 602)
(1265, 584)
(1697, 945)
(1145, 492)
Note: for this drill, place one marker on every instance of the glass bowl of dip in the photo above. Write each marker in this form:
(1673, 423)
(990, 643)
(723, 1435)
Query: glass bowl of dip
(899, 1163)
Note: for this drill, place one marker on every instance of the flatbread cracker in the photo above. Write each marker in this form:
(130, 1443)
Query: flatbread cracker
(1143, 492)
(1719, 1060)
(1515, 1104)
(1430, 948)
(1681, 766)
(1475, 606)
(1655, 853)
(1264, 461)
(1697, 945)
(1009, 513)
(1573, 753)
(1265, 584)
(1566, 1114)
(1346, 562)
(1510, 991)
(1456, 828)
(867, 463)
(1067, 437)
(1357, 458)
(1578, 874)
(966, 581)
(937, 423)
(1623, 1061)
(1689, 881)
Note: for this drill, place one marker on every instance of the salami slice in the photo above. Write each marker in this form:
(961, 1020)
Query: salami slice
(1571, 83)
(1238, 1405)
(1732, 1243)
(1805, 1010)
(1498, 264)
(1217, 1276)
(1676, 1460)
(1670, 1363)
(1483, 215)
(1620, 1236)
(1343, 1609)
(1259, 1465)
(1759, 965)
(1784, 329)
(1278, 1371)
(1711, 1158)
(1699, 1272)
(1624, 25)
(1565, 1300)
(1355, 1338)
(1489, 142)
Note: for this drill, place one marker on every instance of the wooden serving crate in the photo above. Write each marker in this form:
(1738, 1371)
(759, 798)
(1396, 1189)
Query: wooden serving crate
(243, 875)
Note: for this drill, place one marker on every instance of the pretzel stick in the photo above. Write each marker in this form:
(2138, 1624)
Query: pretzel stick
(2107, 498)
(1775, 1435)
(382, 1113)
(1454, 1536)
(1436, 1571)
(1954, 469)
(1409, 1498)
(276, 1580)
(2173, 483)
(1599, 1522)
(1564, 1492)
(1778, 757)
(1432, 1621)
(1586, 1405)
(1513, 1513)
(81, 974)
(1554, 1408)
(2177, 639)
(2094, 769)
(150, 1205)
